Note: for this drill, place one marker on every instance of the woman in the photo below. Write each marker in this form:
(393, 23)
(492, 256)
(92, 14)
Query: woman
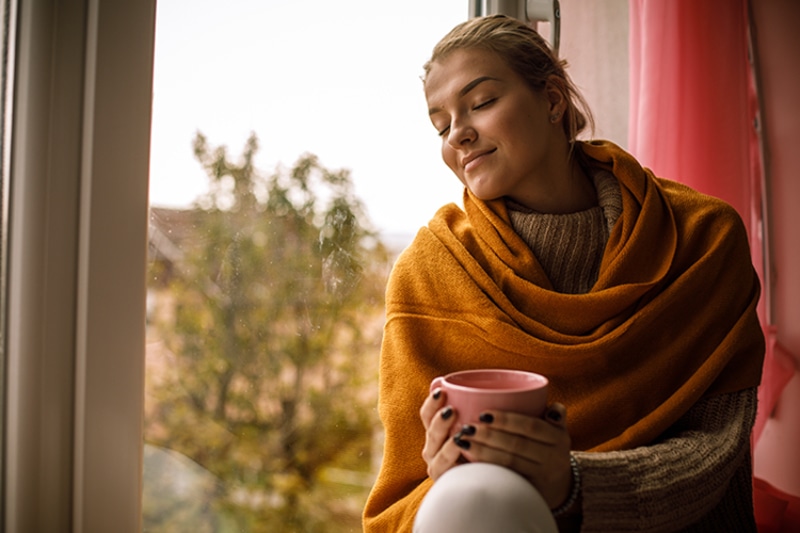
(634, 295)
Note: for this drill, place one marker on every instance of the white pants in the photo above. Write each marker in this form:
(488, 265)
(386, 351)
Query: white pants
(482, 497)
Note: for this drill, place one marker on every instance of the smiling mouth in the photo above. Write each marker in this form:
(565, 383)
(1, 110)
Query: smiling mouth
(475, 161)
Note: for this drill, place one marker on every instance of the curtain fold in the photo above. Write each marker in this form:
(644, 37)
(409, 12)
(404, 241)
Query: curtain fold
(690, 114)
(693, 118)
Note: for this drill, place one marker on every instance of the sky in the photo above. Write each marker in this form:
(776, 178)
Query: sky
(340, 80)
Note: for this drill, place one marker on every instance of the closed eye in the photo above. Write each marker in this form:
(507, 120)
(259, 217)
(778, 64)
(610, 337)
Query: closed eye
(485, 103)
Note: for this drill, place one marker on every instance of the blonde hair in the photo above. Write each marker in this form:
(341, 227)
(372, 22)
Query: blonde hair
(527, 53)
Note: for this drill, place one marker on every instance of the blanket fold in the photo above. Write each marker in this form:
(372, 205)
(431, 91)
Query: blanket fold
(671, 318)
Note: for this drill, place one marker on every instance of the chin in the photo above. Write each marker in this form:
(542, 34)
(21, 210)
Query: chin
(483, 188)
(485, 196)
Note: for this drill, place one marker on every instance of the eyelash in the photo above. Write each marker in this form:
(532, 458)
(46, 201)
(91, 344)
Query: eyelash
(484, 103)
(479, 106)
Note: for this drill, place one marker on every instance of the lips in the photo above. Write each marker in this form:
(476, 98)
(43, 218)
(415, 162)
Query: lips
(474, 158)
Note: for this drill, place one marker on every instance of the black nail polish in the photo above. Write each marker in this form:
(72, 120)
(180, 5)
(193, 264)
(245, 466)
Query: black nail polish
(468, 430)
(437, 394)
(447, 413)
(554, 415)
(463, 444)
(486, 418)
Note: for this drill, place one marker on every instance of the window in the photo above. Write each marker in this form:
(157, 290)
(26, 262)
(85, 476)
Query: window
(286, 147)
(76, 145)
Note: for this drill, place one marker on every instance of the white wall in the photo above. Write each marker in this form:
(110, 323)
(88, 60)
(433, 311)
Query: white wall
(594, 41)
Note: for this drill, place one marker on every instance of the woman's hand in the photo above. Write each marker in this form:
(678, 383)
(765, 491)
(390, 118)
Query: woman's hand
(536, 448)
(440, 452)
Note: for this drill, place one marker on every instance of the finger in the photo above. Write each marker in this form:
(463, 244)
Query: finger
(447, 457)
(434, 402)
(556, 414)
(500, 446)
(477, 451)
(546, 466)
(438, 432)
(533, 428)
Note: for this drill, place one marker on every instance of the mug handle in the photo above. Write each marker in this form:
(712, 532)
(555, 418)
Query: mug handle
(437, 382)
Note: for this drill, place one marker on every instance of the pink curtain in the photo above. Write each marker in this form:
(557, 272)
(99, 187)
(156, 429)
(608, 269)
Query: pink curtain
(692, 115)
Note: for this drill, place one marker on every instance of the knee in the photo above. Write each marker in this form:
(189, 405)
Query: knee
(483, 497)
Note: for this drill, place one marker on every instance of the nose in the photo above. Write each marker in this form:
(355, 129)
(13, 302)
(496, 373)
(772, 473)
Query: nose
(461, 133)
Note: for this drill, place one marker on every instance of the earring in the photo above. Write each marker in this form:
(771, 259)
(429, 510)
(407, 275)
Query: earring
(554, 118)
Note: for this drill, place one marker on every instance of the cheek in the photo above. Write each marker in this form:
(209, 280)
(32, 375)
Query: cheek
(514, 126)
(450, 157)
(451, 160)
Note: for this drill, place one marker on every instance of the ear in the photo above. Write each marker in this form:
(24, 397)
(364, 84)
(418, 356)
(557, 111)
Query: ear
(556, 95)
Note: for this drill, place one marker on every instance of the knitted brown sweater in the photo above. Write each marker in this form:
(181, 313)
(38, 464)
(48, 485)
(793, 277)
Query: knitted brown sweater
(697, 477)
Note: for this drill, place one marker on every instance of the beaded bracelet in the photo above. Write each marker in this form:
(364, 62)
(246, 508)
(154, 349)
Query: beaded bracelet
(576, 489)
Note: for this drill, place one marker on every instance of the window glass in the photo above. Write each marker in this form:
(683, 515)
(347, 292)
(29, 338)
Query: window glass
(287, 146)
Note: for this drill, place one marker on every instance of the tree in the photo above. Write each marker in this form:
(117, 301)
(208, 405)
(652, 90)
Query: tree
(275, 323)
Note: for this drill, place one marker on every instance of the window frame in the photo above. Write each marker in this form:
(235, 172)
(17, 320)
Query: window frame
(77, 259)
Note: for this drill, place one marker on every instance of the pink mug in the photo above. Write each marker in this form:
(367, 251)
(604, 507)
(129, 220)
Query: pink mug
(471, 392)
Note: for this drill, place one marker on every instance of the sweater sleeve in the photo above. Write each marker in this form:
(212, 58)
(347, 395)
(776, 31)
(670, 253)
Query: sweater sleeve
(676, 482)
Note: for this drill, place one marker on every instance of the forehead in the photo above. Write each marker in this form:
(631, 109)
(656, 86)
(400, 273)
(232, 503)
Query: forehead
(448, 75)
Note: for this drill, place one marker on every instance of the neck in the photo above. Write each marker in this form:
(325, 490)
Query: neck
(563, 188)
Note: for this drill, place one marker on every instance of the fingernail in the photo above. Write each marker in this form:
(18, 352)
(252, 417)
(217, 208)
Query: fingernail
(437, 394)
(463, 444)
(554, 415)
(486, 418)
(447, 413)
(468, 430)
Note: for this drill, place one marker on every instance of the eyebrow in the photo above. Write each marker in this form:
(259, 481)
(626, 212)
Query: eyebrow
(466, 89)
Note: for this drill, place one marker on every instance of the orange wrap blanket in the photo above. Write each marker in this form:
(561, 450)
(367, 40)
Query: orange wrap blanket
(671, 318)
